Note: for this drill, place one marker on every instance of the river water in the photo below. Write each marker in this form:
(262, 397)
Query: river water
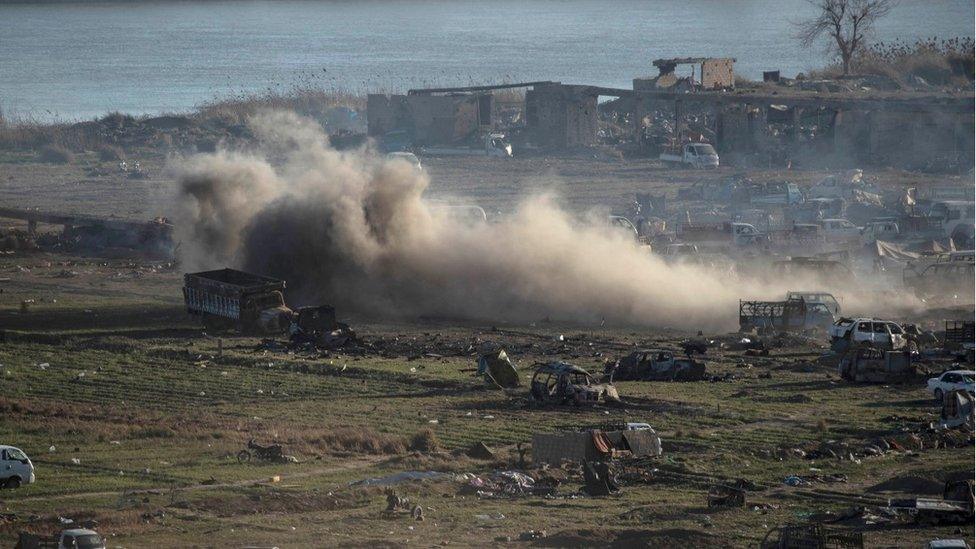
(71, 61)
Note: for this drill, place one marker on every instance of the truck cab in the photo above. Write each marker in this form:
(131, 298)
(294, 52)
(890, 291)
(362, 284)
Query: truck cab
(822, 298)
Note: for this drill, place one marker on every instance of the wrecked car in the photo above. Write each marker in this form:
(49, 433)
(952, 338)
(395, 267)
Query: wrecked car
(869, 365)
(869, 332)
(564, 383)
(318, 326)
(813, 535)
(957, 410)
(944, 282)
(655, 365)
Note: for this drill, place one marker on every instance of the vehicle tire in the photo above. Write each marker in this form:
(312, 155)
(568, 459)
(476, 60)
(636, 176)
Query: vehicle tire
(243, 456)
(13, 483)
(939, 396)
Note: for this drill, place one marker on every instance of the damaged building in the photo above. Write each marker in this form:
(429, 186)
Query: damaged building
(797, 121)
(430, 118)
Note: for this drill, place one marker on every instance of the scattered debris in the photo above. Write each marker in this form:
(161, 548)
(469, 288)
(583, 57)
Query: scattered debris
(498, 369)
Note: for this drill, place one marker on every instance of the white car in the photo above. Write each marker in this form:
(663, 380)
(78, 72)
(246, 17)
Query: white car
(947, 381)
(871, 332)
(16, 468)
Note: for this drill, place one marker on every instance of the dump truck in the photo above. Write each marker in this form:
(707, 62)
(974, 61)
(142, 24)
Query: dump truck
(230, 298)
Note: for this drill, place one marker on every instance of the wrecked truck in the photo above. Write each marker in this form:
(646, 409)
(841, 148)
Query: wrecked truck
(655, 365)
(230, 298)
(794, 314)
(955, 506)
(564, 383)
(869, 365)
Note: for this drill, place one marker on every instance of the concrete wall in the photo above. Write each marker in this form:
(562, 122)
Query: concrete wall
(718, 73)
(561, 116)
(432, 119)
(904, 139)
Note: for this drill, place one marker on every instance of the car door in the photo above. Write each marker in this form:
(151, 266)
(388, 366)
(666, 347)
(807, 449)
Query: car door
(897, 336)
(948, 381)
(863, 332)
(880, 337)
(9, 466)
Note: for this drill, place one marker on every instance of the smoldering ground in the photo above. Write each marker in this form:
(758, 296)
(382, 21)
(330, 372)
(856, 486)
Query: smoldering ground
(353, 229)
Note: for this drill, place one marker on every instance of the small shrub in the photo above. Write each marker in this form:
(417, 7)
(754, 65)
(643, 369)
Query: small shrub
(56, 154)
(359, 441)
(152, 432)
(425, 442)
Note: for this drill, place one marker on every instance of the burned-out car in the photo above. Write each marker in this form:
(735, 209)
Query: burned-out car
(655, 365)
(564, 383)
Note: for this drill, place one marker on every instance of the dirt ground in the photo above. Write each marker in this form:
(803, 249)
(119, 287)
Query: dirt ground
(581, 181)
(134, 415)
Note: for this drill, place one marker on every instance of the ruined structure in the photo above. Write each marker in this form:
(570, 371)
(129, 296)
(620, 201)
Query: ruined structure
(429, 118)
(714, 73)
(562, 116)
(908, 130)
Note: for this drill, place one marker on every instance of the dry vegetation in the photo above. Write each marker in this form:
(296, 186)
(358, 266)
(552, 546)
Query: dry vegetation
(939, 62)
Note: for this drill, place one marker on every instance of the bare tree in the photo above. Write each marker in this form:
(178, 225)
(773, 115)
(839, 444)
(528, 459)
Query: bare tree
(845, 22)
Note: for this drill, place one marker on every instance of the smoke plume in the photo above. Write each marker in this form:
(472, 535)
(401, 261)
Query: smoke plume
(353, 229)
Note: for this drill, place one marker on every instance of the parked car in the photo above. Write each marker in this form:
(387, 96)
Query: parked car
(945, 282)
(655, 365)
(696, 155)
(840, 229)
(940, 385)
(16, 468)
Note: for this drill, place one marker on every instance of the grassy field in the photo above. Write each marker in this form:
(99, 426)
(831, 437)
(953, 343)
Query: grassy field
(133, 416)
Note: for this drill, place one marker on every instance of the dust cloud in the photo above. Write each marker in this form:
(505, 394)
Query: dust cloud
(353, 229)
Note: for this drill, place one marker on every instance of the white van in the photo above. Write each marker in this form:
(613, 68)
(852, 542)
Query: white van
(15, 467)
